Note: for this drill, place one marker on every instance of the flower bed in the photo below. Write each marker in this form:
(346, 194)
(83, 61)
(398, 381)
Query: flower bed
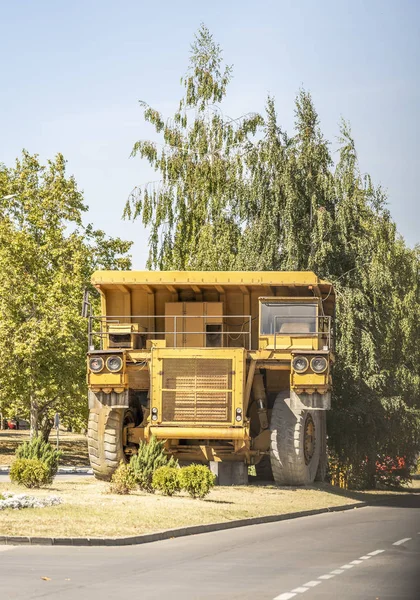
(19, 501)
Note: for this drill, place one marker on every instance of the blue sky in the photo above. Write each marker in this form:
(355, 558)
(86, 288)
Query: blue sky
(72, 73)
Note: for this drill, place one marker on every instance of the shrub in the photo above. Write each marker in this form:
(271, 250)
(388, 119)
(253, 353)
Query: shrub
(197, 480)
(123, 480)
(149, 458)
(19, 501)
(166, 480)
(30, 472)
(43, 451)
(392, 473)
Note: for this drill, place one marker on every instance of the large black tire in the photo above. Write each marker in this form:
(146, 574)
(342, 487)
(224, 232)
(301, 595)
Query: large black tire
(291, 463)
(105, 441)
(263, 469)
(322, 470)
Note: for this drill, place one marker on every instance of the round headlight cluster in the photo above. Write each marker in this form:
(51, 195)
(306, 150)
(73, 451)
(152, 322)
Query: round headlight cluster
(319, 364)
(114, 363)
(96, 364)
(300, 364)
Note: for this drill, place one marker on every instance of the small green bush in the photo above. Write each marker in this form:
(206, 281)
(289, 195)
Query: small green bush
(30, 472)
(123, 480)
(197, 480)
(43, 451)
(149, 458)
(166, 480)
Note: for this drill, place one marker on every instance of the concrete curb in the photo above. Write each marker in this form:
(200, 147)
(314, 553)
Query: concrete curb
(61, 470)
(170, 533)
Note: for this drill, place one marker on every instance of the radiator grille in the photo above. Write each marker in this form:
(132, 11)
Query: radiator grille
(196, 390)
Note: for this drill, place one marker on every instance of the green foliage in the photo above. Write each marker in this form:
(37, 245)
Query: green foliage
(229, 199)
(197, 480)
(166, 480)
(150, 457)
(30, 472)
(190, 211)
(47, 257)
(123, 480)
(37, 448)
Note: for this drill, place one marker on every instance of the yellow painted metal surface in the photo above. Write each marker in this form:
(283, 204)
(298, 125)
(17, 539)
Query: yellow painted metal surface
(308, 379)
(106, 379)
(200, 278)
(198, 385)
(196, 433)
(196, 390)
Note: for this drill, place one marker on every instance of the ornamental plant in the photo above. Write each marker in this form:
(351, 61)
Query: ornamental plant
(36, 448)
(19, 501)
(149, 458)
(197, 480)
(166, 480)
(30, 472)
(123, 480)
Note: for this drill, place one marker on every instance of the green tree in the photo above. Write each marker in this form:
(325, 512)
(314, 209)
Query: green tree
(192, 212)
(46, 260)
(230, 199)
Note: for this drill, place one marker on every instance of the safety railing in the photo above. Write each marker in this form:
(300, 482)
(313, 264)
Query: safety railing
(293, 326)
(100, 328)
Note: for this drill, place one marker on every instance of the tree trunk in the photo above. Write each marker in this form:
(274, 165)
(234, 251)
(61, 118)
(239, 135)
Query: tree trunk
(371, 470)
(46, 426)
(34, 414)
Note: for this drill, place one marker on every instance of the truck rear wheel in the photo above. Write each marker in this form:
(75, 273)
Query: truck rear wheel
(295, 443)
(105, 439)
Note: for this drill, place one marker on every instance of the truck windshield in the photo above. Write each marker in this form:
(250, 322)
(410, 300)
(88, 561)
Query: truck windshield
(286, 319)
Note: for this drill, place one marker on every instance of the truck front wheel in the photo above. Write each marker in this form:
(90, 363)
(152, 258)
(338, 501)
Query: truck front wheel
(105, 439)
(296, 442)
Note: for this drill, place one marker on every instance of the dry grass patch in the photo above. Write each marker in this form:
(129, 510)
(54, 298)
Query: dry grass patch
(73, 446)
(88, 510)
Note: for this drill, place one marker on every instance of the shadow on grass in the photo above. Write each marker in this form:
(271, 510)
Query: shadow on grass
(400, 498)
(216, 501)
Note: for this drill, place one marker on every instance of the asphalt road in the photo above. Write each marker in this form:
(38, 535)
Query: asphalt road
(367, 553)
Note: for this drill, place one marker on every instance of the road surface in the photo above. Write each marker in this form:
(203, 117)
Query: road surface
(367, 553)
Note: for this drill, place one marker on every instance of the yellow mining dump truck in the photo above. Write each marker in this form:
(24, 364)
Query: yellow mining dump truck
(229, 368)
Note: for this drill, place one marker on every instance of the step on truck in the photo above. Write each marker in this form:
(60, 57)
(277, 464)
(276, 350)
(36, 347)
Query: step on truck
(228, 368)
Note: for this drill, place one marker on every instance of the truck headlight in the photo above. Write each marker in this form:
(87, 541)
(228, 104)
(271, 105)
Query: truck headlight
(300, 364)
(239, 414)
(114, 363)
(96, 364)
(319, 364)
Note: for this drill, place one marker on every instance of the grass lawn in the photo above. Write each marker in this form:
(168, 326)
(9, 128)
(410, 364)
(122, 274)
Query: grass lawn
(73, 446)
(89, 510)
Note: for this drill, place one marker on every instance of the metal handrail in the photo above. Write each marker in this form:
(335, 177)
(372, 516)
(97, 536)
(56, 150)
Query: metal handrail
(319, 334)
(127, 320)
(104, 321)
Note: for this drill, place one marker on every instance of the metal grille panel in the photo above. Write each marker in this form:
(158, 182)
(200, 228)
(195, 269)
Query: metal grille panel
(196, 390)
